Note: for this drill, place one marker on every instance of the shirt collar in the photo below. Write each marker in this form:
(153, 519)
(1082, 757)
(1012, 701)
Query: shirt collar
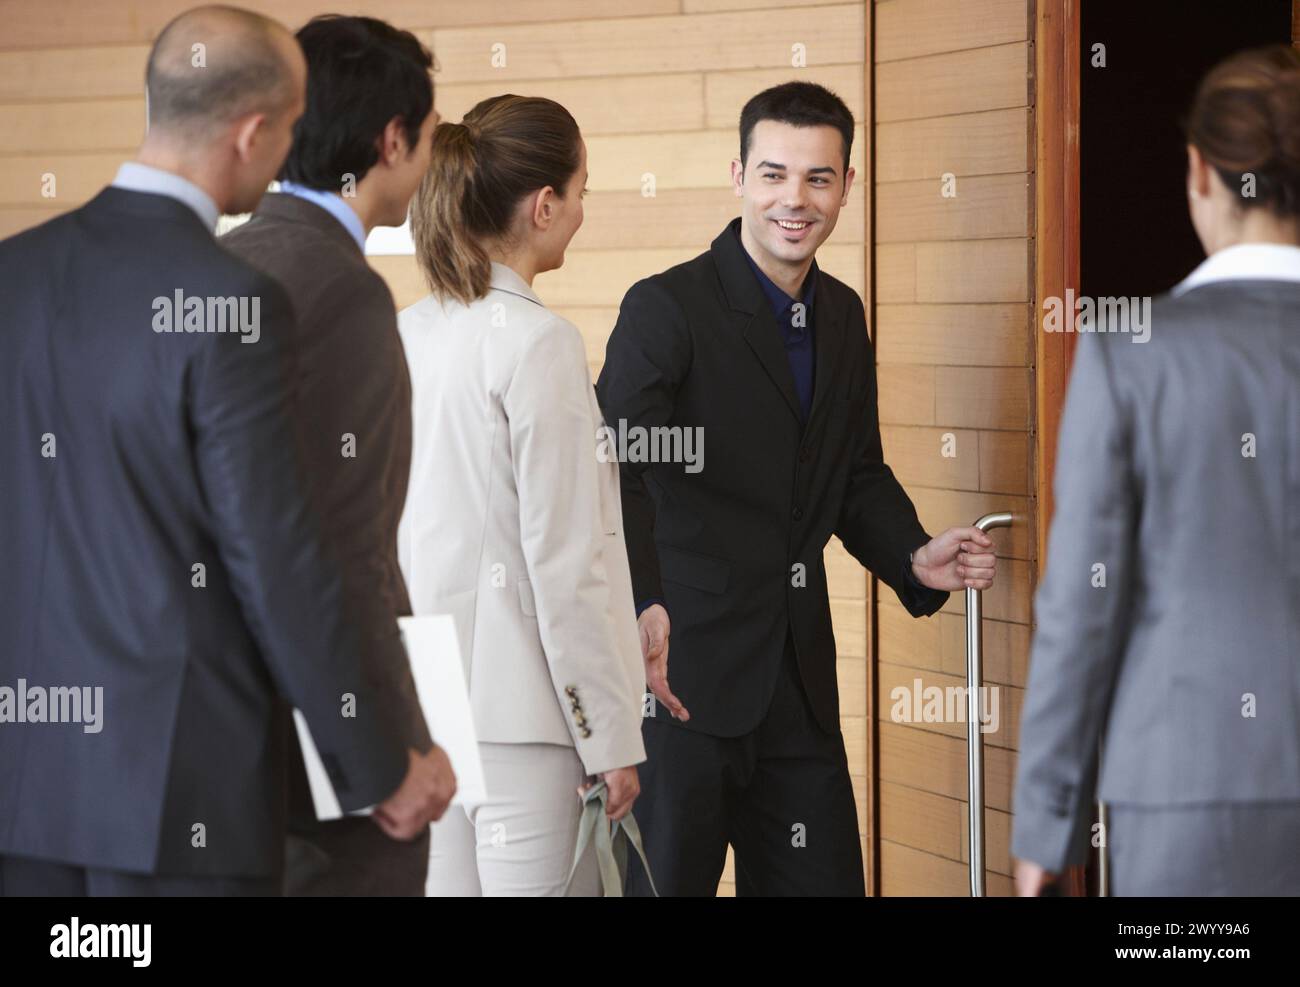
(780, 302)
(136, 177)
(333, 204)
(507, 279)
(1245, 262)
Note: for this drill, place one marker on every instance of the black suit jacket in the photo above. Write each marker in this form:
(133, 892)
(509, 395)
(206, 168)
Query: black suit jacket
(735, 550)
(172, 450)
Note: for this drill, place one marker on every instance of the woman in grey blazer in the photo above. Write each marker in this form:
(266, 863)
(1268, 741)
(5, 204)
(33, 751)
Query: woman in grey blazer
(513, 522)
(1169, 615)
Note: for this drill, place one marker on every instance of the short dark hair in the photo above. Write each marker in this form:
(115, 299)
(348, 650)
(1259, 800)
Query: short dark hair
(801, 104)
(361, 72)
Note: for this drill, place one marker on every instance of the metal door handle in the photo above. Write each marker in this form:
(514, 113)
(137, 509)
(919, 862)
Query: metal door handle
(974, 737)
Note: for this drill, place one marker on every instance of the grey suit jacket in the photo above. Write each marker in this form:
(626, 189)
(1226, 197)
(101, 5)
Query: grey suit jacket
(1169, 614)
(352, 381)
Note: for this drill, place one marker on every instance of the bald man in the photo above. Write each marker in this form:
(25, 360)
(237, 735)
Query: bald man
(163, 580)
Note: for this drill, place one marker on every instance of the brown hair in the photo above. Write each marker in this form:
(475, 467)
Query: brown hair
(505, 148)
(1245, 120)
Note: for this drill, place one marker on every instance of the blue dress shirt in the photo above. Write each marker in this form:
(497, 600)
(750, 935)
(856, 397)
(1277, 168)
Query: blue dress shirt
(137, 177)
(333, 204)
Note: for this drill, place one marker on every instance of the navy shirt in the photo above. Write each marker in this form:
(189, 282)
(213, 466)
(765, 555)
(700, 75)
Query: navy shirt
(796, 325)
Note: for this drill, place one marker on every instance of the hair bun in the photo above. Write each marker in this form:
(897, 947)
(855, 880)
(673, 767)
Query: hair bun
(1245, 119)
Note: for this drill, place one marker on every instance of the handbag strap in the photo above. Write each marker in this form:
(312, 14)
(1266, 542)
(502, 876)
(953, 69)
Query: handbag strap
(611, 843)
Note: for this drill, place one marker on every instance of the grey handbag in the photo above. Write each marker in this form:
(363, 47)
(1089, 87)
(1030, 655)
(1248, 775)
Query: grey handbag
(611, 841)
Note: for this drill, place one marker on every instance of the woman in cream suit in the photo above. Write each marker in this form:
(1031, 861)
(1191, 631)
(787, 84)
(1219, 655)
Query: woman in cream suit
(513, 522)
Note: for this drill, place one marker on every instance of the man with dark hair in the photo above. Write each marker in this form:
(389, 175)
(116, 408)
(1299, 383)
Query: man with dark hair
(162, 576)
(359, 152)
(769, 357)
(368, 75)
(800, 104)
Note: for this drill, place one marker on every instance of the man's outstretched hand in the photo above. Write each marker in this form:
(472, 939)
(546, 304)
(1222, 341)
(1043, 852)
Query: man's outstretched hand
(655, 628)
(956, 559)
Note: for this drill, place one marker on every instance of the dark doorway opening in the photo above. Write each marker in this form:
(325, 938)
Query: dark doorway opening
(1136, 237)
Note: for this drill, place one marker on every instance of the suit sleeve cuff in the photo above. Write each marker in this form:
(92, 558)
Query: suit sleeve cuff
(919, 599)
(1052, 839)
(647, 603)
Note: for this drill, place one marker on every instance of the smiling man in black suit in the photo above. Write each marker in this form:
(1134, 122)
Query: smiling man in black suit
(767, 354)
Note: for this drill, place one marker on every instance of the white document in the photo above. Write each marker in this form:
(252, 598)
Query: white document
(434, 650)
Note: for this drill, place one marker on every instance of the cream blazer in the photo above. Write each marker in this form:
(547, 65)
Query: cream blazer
(514, 525)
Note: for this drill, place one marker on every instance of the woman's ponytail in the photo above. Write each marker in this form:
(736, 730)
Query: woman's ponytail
(454, 262)
(506, 148)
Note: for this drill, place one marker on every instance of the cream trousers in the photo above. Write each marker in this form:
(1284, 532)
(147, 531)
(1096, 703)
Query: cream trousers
(520, 842)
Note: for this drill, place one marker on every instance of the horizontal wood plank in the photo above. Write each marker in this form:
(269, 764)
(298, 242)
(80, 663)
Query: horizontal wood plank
(964, 335)
(974, 208)
(938, 644)
(958, 82)
(640, 45)
(915, 873)
(725, 93)
(906, 394)
(933, 457)
(50, 23)
(990, 143)
(937, 763)
(973, 271)
(911, 28)
(903, 702)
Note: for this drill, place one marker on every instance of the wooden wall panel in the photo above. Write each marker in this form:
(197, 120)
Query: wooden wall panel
(1003, 724)
(726, 92)
(79, 125)
(936, 763)
(911, 872)
(954, 345)
(56, 23)
(980, 208)
(937, 825)
(959, 82)
(832, 34)
(929, 27)
(991, 143)
(975, 335)
(667, 102)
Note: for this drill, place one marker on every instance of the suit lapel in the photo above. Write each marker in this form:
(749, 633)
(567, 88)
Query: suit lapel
(764, 338)
(751, 313)
(828, 337)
